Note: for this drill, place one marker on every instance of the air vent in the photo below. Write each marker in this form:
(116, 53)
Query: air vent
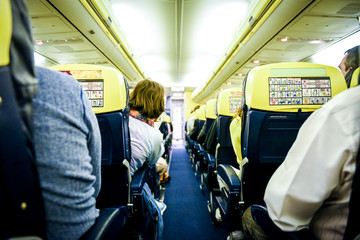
(350, 9)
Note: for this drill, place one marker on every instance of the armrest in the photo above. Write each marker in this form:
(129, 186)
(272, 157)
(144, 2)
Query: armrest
(139, 178)
(210, 159)
(227, 173)
(261, 217)
(108, 224)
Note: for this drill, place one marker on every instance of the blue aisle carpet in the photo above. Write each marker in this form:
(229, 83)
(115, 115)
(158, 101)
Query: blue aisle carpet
(187, 216)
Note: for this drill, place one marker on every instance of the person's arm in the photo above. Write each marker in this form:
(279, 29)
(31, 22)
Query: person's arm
(309, 174)
(157, 148)
(235, 134)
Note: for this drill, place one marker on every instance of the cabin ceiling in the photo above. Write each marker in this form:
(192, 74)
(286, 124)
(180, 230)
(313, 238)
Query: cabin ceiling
(64, 32)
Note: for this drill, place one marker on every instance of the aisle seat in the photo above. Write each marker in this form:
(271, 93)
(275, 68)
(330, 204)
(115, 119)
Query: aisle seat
(108, 92)
(165, 128)
(210, 113)
(193, 135)
(228, 102)
(210, 117)
(21, 200)
(196, 146)
(277, 99)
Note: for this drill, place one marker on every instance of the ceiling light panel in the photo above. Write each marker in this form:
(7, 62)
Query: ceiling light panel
(203, 33)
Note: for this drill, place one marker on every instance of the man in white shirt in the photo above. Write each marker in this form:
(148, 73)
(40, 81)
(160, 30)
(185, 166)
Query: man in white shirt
(312, 187)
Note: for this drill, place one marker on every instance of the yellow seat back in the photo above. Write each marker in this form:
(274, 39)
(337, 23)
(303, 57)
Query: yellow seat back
(286, 87)
(197, 113)
(166, 118)
(5, 32)
(355, 78)
(229, 101)
(202, 113)
(210, 109)
(105, 87)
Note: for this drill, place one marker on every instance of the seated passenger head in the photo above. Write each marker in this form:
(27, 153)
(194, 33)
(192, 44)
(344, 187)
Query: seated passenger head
(350, 60)
(148, 98)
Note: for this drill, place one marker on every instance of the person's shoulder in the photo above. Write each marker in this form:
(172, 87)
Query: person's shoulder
(345, 100)
(143, 130)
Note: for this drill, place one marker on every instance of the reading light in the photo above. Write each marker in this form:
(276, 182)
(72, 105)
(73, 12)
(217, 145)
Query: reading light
(257, 61)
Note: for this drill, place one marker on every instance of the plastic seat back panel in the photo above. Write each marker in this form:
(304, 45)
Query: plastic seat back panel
(269, 136)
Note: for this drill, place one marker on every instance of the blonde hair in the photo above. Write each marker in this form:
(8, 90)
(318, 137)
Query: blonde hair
(238, 113)
(148, 98)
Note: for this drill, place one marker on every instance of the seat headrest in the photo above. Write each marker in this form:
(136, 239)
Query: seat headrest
(202, 111)
(229, 101)
(166, 118)
(292, 85)
(210, 109)
(106, 87)
(197, 113)
(355, 78)
(5, 32)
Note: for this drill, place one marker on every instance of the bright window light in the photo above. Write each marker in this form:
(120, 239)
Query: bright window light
(333, 55)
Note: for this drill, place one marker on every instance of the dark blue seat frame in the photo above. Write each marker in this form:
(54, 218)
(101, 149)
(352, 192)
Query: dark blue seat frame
(204, 158)
(21, 201)
(224, 154)
(266, 137)
(118, 188)
(196, 148)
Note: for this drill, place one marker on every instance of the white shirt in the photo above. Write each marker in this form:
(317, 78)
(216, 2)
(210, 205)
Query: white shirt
(190, 124)
(146, 144)
(313, 185)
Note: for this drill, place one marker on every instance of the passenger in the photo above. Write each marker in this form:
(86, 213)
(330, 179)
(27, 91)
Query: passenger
(312, 187)
(190, 122)
(202, 135)
(235, 134)
(146, 104)
(350, 63)
(68, 154)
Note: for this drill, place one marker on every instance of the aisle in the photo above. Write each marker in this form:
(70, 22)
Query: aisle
(187, 216)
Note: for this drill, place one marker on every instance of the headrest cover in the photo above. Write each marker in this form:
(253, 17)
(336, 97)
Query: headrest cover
(292, 85)
(202, 113)
(355, 78)
(229, 101)
(166, 118)
(105, 87)
(210, 109)
(5, 32)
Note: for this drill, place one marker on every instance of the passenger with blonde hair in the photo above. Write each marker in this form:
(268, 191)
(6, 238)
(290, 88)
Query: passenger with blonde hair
(146, 104)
